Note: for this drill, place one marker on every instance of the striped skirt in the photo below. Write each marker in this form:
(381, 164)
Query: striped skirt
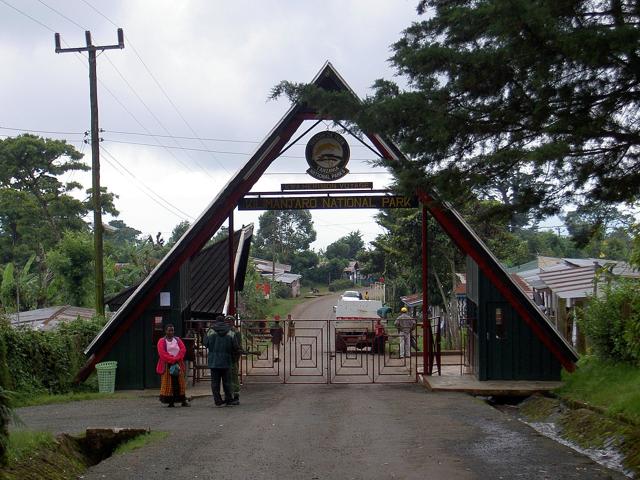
(172, 389)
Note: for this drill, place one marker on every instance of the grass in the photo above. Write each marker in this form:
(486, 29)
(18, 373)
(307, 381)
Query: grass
(30, 400)
(612, 387)
(140, 441)
(24, 443)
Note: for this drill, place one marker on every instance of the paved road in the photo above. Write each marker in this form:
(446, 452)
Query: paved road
(323, 432)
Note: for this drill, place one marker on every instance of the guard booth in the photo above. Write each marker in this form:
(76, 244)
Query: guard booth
(503, 345)
(197, 292)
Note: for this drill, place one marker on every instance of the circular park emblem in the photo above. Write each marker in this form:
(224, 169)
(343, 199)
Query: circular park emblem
(327, 154)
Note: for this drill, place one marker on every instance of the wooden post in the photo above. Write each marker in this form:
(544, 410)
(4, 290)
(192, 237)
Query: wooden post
(231, 310)
(95, 183)
(426, 324)
(91, 49)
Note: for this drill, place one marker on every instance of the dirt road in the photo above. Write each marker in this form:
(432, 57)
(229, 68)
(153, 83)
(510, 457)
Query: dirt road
(323, 432)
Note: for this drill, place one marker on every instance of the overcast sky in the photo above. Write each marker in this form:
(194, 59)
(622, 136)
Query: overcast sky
(199, 69)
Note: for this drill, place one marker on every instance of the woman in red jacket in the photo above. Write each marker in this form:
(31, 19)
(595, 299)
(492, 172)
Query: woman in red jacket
(171, 366)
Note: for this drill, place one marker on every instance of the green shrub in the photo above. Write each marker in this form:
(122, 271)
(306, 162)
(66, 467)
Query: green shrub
(612, 323)
(280, 290)
(341, 284)
(5, 416)
(46, 362)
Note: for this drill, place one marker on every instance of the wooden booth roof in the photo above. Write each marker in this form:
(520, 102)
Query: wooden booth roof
(241, 183)
(209, 276)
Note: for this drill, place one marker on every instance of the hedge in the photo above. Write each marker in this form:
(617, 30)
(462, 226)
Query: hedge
(612, 323)
(44, 362)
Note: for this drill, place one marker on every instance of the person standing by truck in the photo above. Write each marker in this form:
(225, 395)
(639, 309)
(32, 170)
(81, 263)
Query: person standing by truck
(405, 323)
(378, 337)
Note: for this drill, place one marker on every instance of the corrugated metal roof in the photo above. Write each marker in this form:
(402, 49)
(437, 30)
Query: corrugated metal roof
(268, 265)
(210, 277)
(287, 278)
(579, 281)
(50, 317)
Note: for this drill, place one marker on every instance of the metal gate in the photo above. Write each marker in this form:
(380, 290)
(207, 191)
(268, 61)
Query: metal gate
(324, 351)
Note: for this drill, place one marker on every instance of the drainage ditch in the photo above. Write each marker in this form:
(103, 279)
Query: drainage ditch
(71, 455)
(611, 443)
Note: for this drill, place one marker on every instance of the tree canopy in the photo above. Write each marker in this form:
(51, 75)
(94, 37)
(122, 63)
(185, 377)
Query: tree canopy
(36, 206)
(283, 233)
(535, 99)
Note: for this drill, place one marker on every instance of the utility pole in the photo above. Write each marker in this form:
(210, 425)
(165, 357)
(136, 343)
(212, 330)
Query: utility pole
(95, 157)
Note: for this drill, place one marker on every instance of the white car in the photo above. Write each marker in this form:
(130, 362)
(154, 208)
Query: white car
(350, 295)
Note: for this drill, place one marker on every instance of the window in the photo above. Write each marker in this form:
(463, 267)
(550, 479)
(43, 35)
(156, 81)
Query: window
(165, 299)
(501, 331)
(158, 329)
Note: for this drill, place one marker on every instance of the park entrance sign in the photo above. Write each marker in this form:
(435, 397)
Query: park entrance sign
(327, 202)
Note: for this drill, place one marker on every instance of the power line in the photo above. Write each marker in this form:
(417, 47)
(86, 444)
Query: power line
(140, 134)
(49, 132)
(184, 137)
(28, 16)
(64, 16)
(153, 114)
(156, 197)
(225, 152)
(181, 137)
(161, 88)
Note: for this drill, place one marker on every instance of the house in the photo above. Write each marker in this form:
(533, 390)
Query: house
(558, 285)
(278, 272)
(291, 280)
(44, 319)
(351, 271)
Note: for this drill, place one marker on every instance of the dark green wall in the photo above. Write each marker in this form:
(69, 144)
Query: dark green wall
(136, 350)
(516, 353)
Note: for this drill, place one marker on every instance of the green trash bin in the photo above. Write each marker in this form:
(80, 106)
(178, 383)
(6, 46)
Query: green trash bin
(106, 376)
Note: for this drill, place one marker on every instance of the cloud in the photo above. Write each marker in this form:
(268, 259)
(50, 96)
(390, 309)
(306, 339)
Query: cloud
(217, 62)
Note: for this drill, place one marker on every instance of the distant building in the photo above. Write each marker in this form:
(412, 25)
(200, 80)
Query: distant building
(558, 285)
(278, 272)
(45, 319)
(351, 271)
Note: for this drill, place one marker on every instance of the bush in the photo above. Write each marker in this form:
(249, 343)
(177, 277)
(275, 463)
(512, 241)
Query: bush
(338, 285)
(280, 290)
(612, 323)
(46, 362)
(5, 416)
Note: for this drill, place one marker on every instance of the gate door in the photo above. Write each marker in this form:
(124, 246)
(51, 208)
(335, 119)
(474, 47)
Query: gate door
(324, 351)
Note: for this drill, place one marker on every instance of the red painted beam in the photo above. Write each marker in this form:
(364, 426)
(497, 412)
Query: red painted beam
(457, 235)
(194, 246)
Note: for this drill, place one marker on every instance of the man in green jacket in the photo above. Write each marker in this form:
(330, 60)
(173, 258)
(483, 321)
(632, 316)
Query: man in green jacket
(235, 367)
(222, 350)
